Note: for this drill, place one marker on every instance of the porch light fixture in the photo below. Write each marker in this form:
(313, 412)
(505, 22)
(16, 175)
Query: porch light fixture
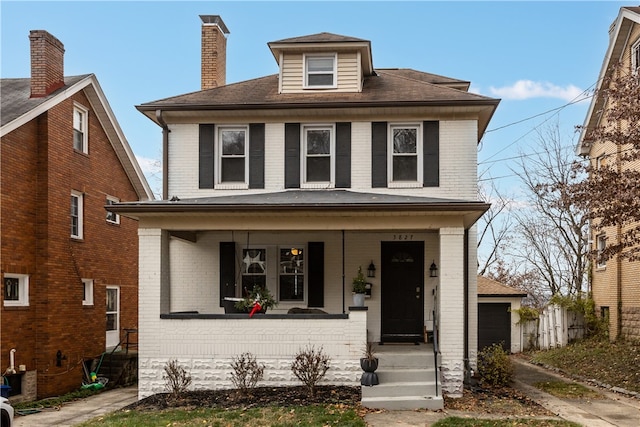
(433, 270)
(371, 270)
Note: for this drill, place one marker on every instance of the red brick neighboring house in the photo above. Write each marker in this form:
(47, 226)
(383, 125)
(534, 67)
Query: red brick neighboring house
(63, 159)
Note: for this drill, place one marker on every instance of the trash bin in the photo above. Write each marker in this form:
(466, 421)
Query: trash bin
(4, 390)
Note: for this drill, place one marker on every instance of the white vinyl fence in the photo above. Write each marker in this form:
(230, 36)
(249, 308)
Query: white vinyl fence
(556, 327)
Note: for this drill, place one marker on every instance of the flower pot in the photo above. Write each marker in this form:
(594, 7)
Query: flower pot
(358, 300)
(229, 305)
(369, 377)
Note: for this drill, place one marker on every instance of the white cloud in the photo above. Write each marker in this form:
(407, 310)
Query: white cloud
(525, 89)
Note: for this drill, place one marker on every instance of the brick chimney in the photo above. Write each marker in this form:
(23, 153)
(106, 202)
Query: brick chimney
(47, 63)
(214, 52)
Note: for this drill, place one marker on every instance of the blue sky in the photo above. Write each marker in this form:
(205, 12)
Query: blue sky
(535, 56)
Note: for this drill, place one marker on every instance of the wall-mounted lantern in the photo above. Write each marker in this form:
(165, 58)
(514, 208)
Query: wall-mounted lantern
(371, 270)
(433, 270)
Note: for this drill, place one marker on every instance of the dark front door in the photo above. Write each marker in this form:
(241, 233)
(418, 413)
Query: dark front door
(402, 284)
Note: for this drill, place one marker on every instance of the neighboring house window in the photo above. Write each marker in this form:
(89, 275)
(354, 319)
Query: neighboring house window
(76, 214)
(232, 149)
(635, 58)
(320, 71)
(254, 268)
(601, 244)
(112, 217)
(87, 292)
(16, 289)
(318, 148)
(405, 162)
(291, 274)
(80, 134)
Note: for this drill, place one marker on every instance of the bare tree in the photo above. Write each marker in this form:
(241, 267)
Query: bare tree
(611, 192)
(493, 227)
(552, 229)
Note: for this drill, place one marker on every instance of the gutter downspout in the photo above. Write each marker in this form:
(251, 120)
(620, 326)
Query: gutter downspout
(467, 365)
(343, 288)
(165, 155)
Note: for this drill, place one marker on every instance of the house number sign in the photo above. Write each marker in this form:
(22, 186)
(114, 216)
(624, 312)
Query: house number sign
(403, 237)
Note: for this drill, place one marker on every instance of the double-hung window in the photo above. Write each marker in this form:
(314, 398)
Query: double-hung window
(601, 244)
(112, 217)
(16, 289)
(320, 71)
(80, 134)
(635, 58)
(318, 164)
(76, 214)
(291, 274)
(405, 162)
(232, 153)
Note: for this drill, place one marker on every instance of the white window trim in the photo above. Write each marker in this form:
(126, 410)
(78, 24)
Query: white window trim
(601, 264)
(220, 185)
(23, 290)
(635, 58)
(419, 173)
(332, 156)
(88, 291)
(111, 199)
(333, 56)
(84, 128)
(305, 289)
(80, 198)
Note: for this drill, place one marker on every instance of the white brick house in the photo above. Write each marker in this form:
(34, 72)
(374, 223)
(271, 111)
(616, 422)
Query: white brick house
(294, 181)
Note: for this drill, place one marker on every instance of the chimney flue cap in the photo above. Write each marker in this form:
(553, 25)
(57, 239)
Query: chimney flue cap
(214, 20)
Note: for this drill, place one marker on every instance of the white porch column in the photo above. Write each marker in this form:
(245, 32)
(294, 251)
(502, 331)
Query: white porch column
(451, 309)
(152, 247)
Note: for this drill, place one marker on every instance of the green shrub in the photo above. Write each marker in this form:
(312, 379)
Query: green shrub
(494, 366)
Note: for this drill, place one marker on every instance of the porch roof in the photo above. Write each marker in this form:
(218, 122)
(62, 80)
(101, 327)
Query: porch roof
(304, 200)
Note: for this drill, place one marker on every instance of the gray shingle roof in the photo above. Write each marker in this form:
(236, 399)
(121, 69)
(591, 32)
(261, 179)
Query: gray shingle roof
(15, 96)
(319, 38)
(488, 287)
(390, 87)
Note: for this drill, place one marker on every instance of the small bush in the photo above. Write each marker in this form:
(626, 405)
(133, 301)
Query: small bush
(494, 366)
(310, 366)
(246, 372)
(176, 377)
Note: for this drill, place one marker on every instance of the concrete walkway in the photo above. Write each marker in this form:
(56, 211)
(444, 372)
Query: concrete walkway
(82, 410)
(611, 410)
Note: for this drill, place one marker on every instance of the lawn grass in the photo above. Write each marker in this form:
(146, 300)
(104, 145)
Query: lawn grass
(525, 422)
(313, 415)
(568, 390)
(616, 364)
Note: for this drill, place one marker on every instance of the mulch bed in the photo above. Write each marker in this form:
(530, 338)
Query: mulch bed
(505, 401)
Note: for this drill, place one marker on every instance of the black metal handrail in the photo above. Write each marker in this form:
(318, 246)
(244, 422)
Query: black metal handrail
(436, 350)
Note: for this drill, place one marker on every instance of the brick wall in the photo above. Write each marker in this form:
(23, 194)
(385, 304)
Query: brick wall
(37, 224)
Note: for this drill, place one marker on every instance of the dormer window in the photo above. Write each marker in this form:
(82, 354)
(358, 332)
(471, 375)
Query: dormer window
(320, 71)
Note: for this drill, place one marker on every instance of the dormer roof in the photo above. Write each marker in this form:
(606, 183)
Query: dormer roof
(325, 42)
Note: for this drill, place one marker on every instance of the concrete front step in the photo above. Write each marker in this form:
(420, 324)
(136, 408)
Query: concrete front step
(405, 374)
(433, 403)
(403, 360)
(398, 389)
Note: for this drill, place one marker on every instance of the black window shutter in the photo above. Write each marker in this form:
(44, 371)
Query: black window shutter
(227, 270)
(431, 152)
(315, 263)
(343, 155)
(292, 155)
(378, 154)
(205, 156)
(256, 155)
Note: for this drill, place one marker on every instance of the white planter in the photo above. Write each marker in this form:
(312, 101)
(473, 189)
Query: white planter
(358, 300)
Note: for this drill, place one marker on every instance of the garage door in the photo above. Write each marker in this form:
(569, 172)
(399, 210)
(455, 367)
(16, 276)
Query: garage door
(494, 325)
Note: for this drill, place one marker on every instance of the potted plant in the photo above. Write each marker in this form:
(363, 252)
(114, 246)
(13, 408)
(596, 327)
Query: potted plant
(369, 364)
(259, 298)
(359, 288)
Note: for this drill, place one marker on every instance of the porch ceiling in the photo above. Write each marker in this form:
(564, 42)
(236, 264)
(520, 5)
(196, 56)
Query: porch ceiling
(308, 209)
